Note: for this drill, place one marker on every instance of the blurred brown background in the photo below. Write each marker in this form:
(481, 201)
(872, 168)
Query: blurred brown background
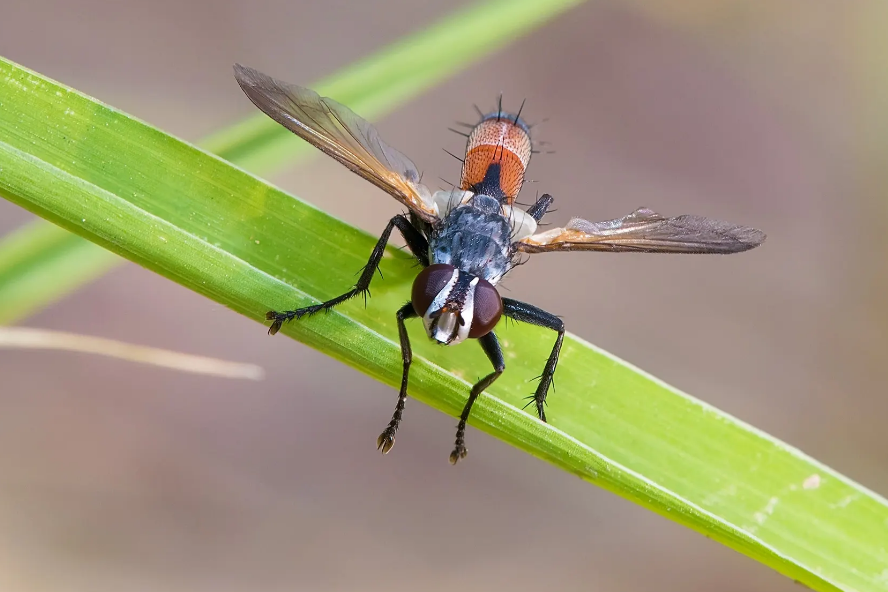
(120, 477)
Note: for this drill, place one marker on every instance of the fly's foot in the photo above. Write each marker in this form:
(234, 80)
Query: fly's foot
(459, 451)
(540, 405)
(386, 440)
(541, 409)
(279, 318)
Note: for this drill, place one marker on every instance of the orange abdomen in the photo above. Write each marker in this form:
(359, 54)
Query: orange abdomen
(497, 154)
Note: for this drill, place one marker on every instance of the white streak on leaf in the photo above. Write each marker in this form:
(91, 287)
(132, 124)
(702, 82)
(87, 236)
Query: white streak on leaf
(842, 503)
(812, 482)
(762, 515)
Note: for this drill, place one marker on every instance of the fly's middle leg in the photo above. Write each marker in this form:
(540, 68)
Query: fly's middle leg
(417, 243)
(491, 347)
(387, 438)
(521, 311)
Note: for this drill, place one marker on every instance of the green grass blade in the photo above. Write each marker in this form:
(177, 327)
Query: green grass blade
(218, 230)
(40, 263)
(58, 263)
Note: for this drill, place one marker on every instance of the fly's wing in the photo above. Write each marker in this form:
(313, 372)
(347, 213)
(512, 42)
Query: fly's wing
(648, 232)
(338, 132)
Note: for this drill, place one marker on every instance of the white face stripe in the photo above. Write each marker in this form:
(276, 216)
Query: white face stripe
(441, 297)
(442, 330)
(468, 313)
(436, 305)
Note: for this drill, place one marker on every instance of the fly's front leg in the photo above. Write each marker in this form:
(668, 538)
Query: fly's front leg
(492, 348)
(527, 313)
(417, 243)
(387, 438)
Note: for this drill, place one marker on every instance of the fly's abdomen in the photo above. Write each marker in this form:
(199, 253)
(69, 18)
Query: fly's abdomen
(497, 155)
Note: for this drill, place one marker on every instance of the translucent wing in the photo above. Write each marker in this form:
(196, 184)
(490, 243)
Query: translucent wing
(337, 131)
(648, 232)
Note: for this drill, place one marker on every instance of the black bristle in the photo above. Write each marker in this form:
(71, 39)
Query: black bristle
(520, 109)
(463, 134)
(462, 160)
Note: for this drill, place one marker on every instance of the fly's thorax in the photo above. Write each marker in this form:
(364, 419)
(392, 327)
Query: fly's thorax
(476, 240)
(497, 154)
(523, 225)
(454, 304)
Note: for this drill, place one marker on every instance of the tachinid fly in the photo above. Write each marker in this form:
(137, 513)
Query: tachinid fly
(469, 238)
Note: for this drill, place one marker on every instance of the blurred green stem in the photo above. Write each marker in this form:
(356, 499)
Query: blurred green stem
(41, 263)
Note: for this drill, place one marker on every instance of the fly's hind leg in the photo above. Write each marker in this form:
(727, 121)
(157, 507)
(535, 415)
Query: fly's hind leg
(527, 313)
(492, 348)
(417, 243)
(542, 205)
(387, 438)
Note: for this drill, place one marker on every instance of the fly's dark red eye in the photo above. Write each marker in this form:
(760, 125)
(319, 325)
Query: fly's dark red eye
(428, 284)
(487, 309)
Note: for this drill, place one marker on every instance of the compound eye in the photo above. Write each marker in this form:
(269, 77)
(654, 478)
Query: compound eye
(428, 284)
(486, 310)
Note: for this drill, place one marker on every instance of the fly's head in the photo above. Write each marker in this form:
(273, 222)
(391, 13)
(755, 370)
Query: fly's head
(454, 304)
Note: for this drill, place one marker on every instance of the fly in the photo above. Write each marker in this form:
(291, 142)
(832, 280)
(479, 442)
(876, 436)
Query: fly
(469, 238)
